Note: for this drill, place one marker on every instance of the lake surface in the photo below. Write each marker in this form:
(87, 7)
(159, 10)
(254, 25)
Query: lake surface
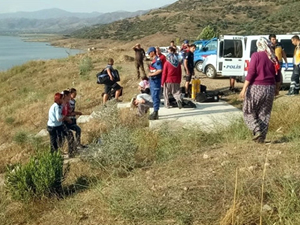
(14, 51)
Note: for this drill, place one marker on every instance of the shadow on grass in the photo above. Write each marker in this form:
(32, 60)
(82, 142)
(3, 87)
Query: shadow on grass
(82, 183)
(281, 140)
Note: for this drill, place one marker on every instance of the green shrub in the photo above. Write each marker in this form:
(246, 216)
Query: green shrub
(40, 177)
(116, 153)
(21, 137)
(85, 66)
(119, 68)
(208, 32)
(9, 120)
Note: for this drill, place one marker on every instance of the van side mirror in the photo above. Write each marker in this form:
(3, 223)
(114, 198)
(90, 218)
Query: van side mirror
(204, 48)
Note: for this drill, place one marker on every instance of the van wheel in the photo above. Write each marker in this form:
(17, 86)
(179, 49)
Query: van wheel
(199, 66)
(210, 72)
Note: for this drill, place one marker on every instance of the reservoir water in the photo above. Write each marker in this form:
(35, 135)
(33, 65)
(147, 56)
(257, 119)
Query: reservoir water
(14, 51)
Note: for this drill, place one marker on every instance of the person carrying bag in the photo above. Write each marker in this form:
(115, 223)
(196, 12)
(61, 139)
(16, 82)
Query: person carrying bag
(110, 82)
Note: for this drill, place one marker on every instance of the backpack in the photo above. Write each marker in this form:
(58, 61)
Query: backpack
(103, 78)
(185, 103)
(209, 96)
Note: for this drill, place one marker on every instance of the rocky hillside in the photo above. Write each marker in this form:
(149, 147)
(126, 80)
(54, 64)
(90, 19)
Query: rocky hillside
(186, 19)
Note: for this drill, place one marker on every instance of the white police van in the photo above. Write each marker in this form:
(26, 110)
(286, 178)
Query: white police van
(234, 53)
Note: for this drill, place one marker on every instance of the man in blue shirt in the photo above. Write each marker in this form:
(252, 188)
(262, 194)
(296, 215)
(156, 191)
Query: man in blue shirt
(155, 81)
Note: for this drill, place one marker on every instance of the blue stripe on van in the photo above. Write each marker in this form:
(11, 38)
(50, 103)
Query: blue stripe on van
(290, 65)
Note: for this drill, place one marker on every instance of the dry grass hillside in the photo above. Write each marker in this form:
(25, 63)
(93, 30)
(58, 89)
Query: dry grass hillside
(168, 177)
(186, 18)
(142, 176)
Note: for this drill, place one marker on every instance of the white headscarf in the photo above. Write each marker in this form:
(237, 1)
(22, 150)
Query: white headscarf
(264, 45)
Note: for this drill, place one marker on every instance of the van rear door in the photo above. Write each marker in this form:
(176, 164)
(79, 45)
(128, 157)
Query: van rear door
(233, 52)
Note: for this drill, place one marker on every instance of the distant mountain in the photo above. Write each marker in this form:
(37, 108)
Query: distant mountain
(53, 13)
(57, 20)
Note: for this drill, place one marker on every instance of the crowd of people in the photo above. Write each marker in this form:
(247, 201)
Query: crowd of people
(261, 85)
(164, 74)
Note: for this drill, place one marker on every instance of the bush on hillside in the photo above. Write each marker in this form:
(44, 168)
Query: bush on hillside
(40, 177)
(21, 137)
(116, 152)
(85, 66)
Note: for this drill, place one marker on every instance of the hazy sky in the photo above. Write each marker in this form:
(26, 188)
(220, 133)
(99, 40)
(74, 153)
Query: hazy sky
(81, 5)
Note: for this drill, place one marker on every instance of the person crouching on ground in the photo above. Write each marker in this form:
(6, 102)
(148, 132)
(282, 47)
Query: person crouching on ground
(143, 102)
(261, 85)
(112, 84)
(155, 81)
(171, 78)
(55, 124)
(144, 84)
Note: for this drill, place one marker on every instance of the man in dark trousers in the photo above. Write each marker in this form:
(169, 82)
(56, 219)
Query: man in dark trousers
(189, 67)
(155, 71)
(294, 87)
(139, 57)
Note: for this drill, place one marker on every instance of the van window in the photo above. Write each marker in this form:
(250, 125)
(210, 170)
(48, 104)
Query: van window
(253, 47)
(198, 46)
(288, 47)
(233, 49)
(211, 46)
(221, 49)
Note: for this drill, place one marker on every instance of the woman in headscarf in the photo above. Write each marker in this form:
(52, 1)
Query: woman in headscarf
(171, 78)
(261, 85)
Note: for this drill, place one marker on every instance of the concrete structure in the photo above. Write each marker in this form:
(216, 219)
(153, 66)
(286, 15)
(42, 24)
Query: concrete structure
(207, 116)
(84, 119)
(42, 133)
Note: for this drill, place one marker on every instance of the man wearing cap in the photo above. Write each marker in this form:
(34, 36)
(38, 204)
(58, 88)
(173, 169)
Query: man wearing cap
(185, 46)
(139, 57)
(184, 50)
(155, 71)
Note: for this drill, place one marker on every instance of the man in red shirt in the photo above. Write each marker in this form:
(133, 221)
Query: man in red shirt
(171, 78)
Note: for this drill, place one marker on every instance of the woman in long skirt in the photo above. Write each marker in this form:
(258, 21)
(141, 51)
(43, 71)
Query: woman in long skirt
(261, 85)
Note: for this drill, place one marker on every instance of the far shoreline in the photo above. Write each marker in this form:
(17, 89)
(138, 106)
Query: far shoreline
(47, 40)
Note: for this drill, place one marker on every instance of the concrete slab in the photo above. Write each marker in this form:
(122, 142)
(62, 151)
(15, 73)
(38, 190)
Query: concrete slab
(83, 119)
(123, 105)
(207, 116)
(42, 133)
